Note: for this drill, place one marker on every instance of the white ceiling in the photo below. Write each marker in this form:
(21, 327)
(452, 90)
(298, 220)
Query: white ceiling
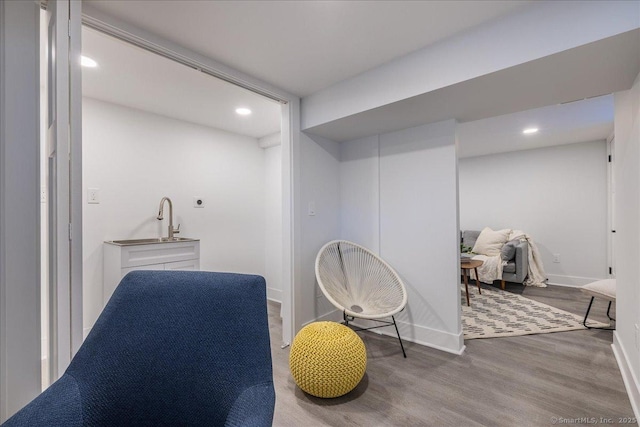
(133, 77)
(305, 46)
(580, 121)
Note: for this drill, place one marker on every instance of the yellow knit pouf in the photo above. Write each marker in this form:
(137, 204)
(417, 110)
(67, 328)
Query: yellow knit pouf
(327, 359)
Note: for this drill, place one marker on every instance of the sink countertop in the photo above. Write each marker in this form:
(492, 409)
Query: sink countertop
(152, 241)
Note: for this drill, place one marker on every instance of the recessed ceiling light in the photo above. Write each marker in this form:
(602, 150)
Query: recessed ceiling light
(243, 111)
(530, 130)
(85, 61)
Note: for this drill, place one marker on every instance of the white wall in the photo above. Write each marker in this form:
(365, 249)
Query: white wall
(19, 206)
(626, 338)
(320, 185)
(135, 158)
(360, 192)
(399, 198)
(556, 194)
(273, 221)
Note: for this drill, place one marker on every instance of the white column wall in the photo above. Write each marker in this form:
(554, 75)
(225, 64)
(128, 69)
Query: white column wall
(360, 192)
(320, 186)
(400, 198)
(626, 338)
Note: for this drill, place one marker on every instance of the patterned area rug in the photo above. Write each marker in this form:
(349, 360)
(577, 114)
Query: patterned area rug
(497, 313)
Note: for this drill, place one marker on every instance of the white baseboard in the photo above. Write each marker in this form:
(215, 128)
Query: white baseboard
(274, 294)
(440, 340)
(570, 281)
(422, 335)
(630, 380)
(332, 316)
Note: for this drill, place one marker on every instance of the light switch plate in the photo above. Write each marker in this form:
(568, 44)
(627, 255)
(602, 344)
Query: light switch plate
(93, 196)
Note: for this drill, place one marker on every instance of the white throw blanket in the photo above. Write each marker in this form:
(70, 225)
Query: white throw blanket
(537, 276)
(491, 269)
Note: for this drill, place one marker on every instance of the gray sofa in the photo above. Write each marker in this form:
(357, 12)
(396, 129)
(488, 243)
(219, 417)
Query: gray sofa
(517, 266)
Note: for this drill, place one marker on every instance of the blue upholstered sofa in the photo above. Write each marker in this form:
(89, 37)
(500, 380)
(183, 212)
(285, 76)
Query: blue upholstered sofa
(171, 348)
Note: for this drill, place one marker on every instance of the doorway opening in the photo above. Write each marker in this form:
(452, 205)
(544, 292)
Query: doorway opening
(543, 174)
(153, 128)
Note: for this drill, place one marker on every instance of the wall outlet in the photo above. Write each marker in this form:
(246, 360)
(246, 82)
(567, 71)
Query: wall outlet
(556, 258)
(93, 196)
(43, 194)
(198, 202)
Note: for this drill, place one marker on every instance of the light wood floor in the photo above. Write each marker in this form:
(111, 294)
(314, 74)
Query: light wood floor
(513, 381)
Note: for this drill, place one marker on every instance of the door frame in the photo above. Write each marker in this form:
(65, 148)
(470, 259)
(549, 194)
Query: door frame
(19, 206)
(290, 131)
(611, 223)
(75, 176)
(64, 135)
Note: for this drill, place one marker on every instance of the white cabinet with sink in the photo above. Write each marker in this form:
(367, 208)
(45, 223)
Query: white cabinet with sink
(123, 256)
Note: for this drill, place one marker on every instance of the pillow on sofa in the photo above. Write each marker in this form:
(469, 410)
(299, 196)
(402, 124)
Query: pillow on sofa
(490, 242)
(508, 251)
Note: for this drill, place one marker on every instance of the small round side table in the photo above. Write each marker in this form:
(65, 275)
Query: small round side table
(466, 266)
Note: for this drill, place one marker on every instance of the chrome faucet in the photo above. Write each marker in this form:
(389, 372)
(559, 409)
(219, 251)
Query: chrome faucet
(172, 230)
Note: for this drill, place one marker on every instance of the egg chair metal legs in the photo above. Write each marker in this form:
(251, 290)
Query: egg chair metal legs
(584, 322)
(348, 319)
(605, 289)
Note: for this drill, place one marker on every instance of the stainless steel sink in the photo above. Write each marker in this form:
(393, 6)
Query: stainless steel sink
(132, 242)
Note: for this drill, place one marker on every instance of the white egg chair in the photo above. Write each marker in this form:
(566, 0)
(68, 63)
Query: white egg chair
(360, 284)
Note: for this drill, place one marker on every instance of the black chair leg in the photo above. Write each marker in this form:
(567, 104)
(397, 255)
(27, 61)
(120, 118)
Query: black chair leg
(348, 318)
(399, 339)
(608, 310)
(584, 322)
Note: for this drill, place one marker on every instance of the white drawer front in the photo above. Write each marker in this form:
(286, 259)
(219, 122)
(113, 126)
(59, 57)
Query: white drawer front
(133, 256)
(142, 267)
(192, 264)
